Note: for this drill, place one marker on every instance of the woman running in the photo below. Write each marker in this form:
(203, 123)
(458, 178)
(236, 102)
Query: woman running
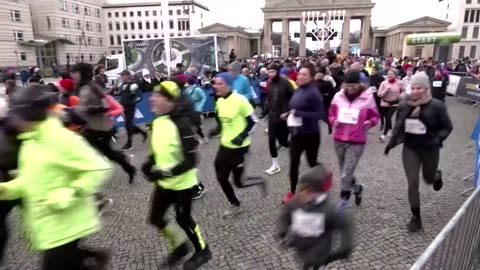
(422, 125)
(390, 91)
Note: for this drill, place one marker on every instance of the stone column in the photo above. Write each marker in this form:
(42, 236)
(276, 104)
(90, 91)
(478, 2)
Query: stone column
(303, 39)
(285, 35)
(235, 46)
(259, 46)
(366, 25)
(345, 36)
(267, 37)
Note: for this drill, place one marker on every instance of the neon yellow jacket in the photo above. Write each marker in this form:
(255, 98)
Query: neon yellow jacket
(57, 176)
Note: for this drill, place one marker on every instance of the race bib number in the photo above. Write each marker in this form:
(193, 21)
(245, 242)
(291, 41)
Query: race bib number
(263, 84)
(306, 224)
(293, 121)
(348, 116)
(437, 84)
(415, 126)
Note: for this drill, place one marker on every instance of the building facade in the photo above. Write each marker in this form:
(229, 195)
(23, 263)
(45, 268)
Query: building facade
(144, 20)
(465, 18)
(15, 27)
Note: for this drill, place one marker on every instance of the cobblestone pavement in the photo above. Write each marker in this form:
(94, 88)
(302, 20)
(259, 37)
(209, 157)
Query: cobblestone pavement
(246, 242)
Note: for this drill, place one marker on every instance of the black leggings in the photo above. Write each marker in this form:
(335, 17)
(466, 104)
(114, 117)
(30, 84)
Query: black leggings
(130, 125)
(101, 141)
(277, 131)
(5, 208)
(298, 144)
(381, 112)
(232, 161)
(182, 201)
(69, 256)
(388, 113)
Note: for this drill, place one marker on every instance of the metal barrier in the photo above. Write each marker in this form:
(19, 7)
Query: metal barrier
(459, 74)
(457, 246)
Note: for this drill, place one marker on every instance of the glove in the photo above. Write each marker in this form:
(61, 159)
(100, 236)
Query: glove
(152, 174)
(238, 141)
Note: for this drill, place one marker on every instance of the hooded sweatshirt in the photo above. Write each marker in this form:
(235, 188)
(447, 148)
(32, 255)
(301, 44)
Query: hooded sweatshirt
(280, 92)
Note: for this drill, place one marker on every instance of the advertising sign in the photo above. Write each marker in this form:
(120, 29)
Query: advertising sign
(433, 38)
(452, 86)
(197, 51)
(469, 88)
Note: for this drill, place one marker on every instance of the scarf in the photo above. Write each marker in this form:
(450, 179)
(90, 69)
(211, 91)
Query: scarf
(416, 103)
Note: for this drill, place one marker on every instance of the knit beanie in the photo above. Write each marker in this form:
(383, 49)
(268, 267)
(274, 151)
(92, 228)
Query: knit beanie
(236, 67)
(284, 71)
(227, 78)
(352, 77)
(31, 104)
(420, 79)
(66, 84)
(168, 89)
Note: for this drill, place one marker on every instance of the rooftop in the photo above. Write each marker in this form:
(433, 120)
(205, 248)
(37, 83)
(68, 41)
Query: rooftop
(149, 4)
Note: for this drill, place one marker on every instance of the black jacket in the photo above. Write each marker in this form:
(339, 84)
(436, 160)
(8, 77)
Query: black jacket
(280, 92)
(439, 88)
(146, 86)
(130, 94)
(375, 80)
(433, 115)
(9, 147)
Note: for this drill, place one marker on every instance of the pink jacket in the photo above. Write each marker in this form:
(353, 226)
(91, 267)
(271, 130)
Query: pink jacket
(352, 117)
(396, 89)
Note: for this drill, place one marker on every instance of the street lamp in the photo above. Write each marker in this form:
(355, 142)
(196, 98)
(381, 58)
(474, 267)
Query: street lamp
(323, 29)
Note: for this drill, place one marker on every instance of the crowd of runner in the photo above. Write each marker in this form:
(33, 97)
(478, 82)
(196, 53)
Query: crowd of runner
(56, 140)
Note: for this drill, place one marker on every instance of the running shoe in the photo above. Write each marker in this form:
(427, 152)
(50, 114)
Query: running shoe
(415, 224)
(438, 184)
(357, 191)
(383, 138)
(273, 170)
(199, 194)
(176, 255)
(102, 205)
(343, 205)
(232, 211)
(287, 197)
(198, 259)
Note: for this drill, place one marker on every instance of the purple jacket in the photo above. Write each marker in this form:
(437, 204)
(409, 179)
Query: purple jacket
(308, 105)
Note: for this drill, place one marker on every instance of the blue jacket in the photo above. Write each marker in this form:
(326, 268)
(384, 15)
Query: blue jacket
(308, 105)
(241, 85)
(197, 96)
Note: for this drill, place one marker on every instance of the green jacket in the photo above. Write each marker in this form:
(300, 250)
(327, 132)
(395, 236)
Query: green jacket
(57, 176)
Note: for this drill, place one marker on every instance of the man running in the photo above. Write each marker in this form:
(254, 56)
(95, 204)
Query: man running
(176, 180)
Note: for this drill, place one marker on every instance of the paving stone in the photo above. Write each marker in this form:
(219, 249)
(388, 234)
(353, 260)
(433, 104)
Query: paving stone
(247, 242)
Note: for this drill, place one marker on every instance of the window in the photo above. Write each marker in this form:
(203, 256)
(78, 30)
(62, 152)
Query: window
(477, 18)
(119, 40)
(49, 23)
(473, 51)
(148, 35)
(465, 18)
(68, 56)
(64, 22)
(76, 8)
(147, 25)
(139, 13)
(23, 56)
(461, 51)
(110, 26)
(91, 57)
(183, 25)
(154, 13)
(67, 37)
(179, 12)
(117, 14)
(78, 24)
(171, 35)
(155, 25)
(18, 35)
(180, 34)
(155, 35)
(140, 26)
(99, 27)
(82, 57)
(86, 11)
(464, 32)
(125, 26)
(15, 14)
(133, 36)
(201, 15)
(89, 26)
(113, 52)
(475, 32)
(180, 25)
(131, 13)
(63, 5)
(117, 26)
(109, 14)
(100, 41)
(124, 14)
(132, 26)
(112, 40)
(140, 36)
(97, 12)
(79, 40)
(125, 36)
(146, 13)
(170, 12)
(90, 41)
(171, 24)
(472, 15)
(469, 1)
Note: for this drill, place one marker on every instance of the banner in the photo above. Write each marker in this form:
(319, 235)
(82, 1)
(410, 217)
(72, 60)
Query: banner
(142, 112)
(151, 54)
(433, 38)
(468, 88)
(453, 84)
(476, 138)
